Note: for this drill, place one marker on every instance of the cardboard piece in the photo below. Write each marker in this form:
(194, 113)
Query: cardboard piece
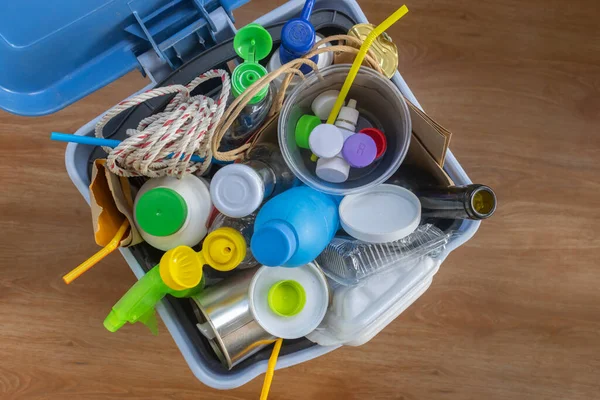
(419, 156)
(434, 137)
(111, 203)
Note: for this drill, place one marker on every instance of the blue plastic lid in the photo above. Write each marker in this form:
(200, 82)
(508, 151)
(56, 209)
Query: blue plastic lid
(54, 53)
(274, 243)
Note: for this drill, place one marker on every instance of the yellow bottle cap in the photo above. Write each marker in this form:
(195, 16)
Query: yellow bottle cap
(181, 268)
(224, 249)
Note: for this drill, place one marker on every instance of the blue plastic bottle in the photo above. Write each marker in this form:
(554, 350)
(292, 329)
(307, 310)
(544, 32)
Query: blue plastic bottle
(293, 228)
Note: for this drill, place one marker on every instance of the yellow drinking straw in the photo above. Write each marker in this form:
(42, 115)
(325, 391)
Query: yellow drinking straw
(271, 370)
(391, 20)
(96, 258)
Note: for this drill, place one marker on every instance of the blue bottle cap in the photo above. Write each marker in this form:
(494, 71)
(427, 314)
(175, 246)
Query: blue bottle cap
(274, 243)
(298, 37)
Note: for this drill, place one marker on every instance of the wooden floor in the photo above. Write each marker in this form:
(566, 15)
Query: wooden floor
(513, 314)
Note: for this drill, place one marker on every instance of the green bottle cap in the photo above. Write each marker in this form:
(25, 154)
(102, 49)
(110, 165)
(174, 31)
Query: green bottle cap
(286, 298)
(161, 212)
(252, 43)
(304, 127)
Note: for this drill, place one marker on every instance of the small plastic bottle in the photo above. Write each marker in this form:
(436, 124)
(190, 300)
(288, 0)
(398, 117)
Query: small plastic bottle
(298, 37)
(293, 228)
(238, 190)
(171, 212)
(245, 226)
(348, 118)
(336, 169)
(252, 43)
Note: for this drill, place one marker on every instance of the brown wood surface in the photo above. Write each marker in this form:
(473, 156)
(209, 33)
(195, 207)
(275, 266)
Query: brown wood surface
(513, 314)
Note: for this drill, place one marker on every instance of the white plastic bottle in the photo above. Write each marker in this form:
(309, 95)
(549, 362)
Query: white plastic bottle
(171, 212)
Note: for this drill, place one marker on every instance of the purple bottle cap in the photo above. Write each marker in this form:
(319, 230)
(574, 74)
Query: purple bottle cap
(359, 150)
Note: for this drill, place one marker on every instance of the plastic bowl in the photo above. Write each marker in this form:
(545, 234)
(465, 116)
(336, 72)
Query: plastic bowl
(379, 102)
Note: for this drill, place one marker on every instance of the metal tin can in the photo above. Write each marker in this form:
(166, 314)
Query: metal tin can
(226, 320)
(383, 47)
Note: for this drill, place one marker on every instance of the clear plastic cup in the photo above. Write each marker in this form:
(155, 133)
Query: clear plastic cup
(380, 103)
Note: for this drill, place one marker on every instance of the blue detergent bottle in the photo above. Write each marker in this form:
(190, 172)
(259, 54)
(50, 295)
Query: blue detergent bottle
(293, 228)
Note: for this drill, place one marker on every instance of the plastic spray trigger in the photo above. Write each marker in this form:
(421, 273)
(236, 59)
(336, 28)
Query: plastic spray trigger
(178, 274)
(149, 319)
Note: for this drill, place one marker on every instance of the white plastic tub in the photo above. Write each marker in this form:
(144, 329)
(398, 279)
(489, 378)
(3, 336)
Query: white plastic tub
(76, 158)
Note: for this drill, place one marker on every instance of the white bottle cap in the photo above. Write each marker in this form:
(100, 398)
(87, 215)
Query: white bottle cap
(348, 117)
(384, 214)
(237, 190)
(316, 300)
(326, 141)
(334, 170)
(323, 104)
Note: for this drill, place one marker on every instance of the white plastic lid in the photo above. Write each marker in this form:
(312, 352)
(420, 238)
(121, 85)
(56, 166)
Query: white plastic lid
(348, 117)
(326, 141)
(385, 214)
(237, 190)
(323, 104)
(313, 282)
(334, 170)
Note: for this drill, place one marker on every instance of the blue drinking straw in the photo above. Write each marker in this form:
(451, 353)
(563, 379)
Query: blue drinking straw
(94, 141)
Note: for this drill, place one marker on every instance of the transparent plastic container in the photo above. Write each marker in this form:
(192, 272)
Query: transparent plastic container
(358, 313)
(349, 261)
(379, 102)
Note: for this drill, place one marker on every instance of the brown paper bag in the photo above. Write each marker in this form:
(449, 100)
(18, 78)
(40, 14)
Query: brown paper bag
(111, 200)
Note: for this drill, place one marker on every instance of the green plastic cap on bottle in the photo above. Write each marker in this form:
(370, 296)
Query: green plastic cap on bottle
(161, 212)
(286, 298)
(252, 43)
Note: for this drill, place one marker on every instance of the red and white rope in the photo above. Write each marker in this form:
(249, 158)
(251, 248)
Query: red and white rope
(186, 126)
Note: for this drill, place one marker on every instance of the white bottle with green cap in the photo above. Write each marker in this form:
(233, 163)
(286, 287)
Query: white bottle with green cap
(252, 43)
(171, 212)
